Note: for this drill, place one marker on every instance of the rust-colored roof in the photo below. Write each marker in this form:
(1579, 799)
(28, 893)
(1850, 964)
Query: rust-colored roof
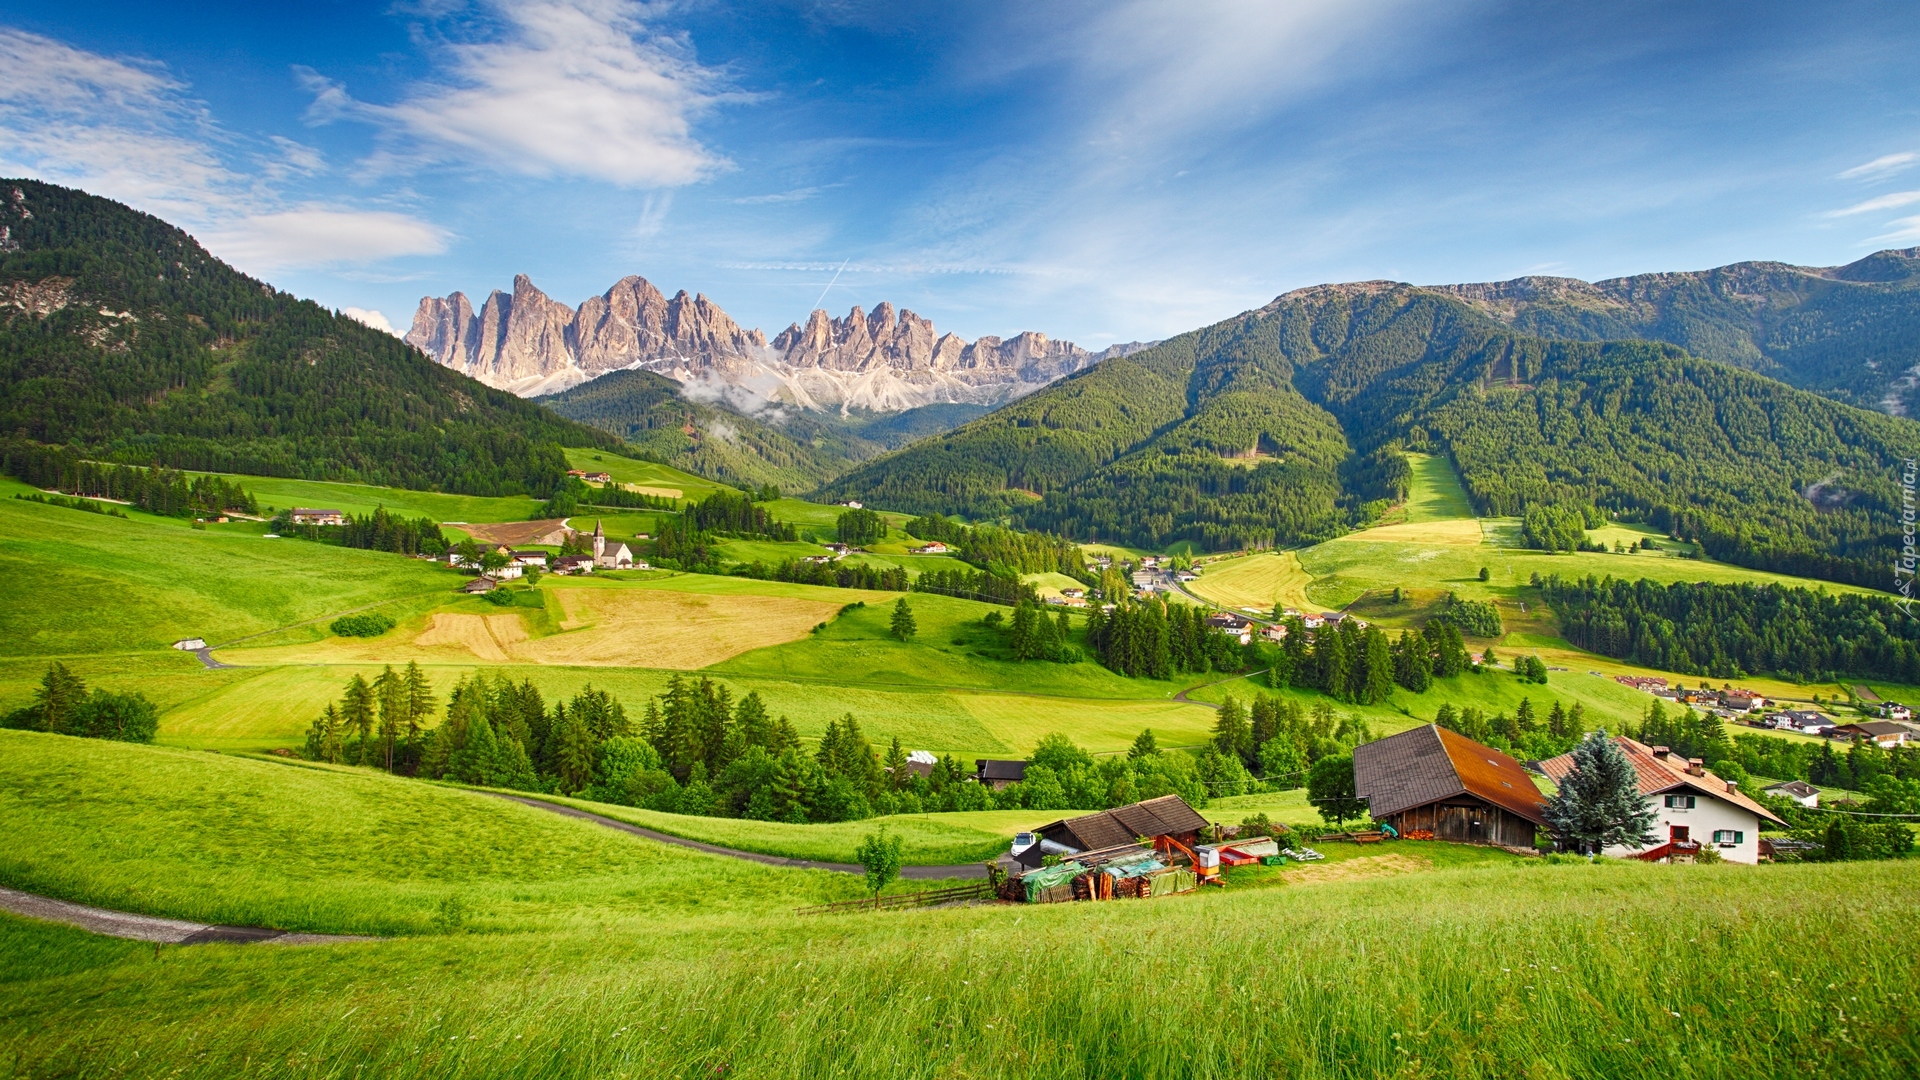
(1658, 776)
(1494, 776)
(1430, 763)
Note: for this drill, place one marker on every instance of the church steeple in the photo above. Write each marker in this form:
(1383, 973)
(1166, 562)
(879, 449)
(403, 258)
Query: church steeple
(599, 541)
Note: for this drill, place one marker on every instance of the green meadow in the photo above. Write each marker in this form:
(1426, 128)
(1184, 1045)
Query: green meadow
(647, 474)
(275, 493)
(523, 944)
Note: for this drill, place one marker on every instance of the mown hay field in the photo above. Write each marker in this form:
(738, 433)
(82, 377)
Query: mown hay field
(574, 950)
(1263, 581)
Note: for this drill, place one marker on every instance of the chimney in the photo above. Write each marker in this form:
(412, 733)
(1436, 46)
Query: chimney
(1732, 787)
(1660, 752)
(1696, 767)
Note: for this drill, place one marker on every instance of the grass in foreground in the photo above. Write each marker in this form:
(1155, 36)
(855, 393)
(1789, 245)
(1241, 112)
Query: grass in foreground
(591, 956)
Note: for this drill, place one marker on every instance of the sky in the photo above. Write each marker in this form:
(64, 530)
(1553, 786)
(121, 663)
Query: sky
(1098, 171)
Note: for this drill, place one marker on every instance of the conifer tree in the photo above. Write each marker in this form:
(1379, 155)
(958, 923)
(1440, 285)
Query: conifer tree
(57, 702)
(1523, 716)
(357, 713)
(391, 693)
(1144, 745)
(1447, 718)
(1376, 684)
(898, 776)
(1232, 735)
(1063, 629)
(1599, 804)
(1557, 721)
(902, 625)
(573, 751)
(420, 703)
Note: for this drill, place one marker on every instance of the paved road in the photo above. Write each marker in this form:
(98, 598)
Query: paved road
(122, 924)
(1182, 695)
(916, 873)
(206, 657)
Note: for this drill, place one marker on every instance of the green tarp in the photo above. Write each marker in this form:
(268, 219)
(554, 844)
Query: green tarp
(1046, 878)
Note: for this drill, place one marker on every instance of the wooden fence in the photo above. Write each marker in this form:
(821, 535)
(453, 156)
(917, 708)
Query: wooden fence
(979, 890)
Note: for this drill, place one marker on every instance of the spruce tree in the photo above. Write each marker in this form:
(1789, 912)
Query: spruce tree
(1598, 804)
(1144, 745)
(57, 702)
(1377, 681)
(391, 693)
(898, 775)
(1232, 735)
(1523, 717)
(357, 712)
(1022, 637)
(902, 625)
(420, 703)
(1557, 721)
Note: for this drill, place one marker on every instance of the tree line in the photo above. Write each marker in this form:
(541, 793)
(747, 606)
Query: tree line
(1729, 630)
(378, 531)
(157, 490)
(63, 705)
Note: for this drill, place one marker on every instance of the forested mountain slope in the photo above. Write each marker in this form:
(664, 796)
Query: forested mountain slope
(1850, 332)
(1280, 425)
(121, 337)
(787, 447)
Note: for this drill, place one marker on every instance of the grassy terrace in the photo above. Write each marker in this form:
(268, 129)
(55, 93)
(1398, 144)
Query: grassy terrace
(585, 952)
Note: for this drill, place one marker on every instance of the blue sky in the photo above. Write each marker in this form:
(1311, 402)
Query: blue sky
(1098, 171)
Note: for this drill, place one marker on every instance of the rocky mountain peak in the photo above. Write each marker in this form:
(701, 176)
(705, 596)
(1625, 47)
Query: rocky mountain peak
(886, 359)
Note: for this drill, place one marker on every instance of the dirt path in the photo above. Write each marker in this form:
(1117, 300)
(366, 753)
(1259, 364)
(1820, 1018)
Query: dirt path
(914, 873)
(1184, 699)
(122, 924)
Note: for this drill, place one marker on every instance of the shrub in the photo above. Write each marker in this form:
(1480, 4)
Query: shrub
(365, 624)
(502, 597)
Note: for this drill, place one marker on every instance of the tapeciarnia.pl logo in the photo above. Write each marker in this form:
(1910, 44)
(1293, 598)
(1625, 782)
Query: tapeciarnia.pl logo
(1903, 571)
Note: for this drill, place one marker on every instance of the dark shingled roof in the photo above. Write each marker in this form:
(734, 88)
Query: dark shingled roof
(1428, 764)
(986, 769)
(1168, 815)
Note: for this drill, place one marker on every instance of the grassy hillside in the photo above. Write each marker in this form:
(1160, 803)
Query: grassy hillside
(620, 956)
(102, 584)
(138, 346)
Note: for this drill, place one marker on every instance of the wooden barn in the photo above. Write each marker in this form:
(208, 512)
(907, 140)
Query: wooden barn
(1168, 815)
(1431, 780)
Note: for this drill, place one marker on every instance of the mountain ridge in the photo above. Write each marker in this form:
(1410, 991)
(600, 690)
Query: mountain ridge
(887, 360)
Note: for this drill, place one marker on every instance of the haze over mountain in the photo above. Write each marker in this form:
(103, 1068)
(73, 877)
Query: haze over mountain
(883, 361)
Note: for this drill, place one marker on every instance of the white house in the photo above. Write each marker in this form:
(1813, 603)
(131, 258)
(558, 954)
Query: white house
(306, 515)
(1799, 791)
(1695, 807)
(530, 558)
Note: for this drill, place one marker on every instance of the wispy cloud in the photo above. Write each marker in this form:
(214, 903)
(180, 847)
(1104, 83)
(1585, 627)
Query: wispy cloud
(1881, 167)
(129, 130)
(579, 88)
(1904, 230)
(796, 195)
(1888, 201)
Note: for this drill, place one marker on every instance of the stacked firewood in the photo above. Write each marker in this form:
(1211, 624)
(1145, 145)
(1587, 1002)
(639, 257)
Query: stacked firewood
(1417, 834)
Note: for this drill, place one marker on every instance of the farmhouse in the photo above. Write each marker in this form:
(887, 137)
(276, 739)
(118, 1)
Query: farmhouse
(999, 774)
(303, 515)
(478, 585)
(573, 564)
(1798, 790)
(1805, 721)
(1886, 734)
(839, 550)
(529, 558)
(190, 644)
(931, 547)
(1168, 816)
(1694, 806)
(1277, 632)
(1437, 781)
(597, 478)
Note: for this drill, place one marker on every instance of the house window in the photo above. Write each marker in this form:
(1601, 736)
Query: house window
(1729, 837)
(1680, 802)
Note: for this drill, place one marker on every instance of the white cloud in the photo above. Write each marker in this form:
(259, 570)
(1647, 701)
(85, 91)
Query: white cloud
(570, 87)
(796, 195)
(323, 236)
(370, 318)
(1880, 167)
(1904, 230)
(1878, 202)
(128, 130)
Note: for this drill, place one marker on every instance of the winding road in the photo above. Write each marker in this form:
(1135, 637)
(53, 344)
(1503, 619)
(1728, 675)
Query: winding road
(123, 924)
(915, 873)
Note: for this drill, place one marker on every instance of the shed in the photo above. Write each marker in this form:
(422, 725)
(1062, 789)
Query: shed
(999, 774)
(1798, 790)
(1168, 815)
(1437, 780)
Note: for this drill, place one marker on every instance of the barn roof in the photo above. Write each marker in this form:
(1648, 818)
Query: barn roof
(1164, 816)
(1428, 764)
